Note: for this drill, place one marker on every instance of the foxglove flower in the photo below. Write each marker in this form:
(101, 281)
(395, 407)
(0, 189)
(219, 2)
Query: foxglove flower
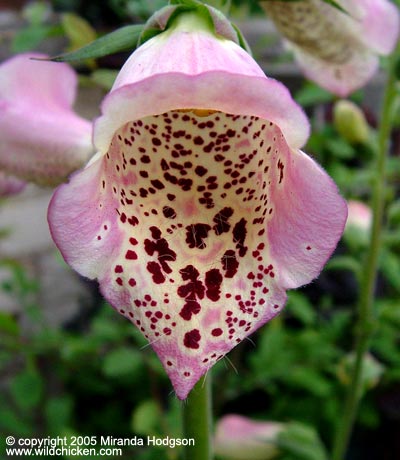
(337, 50)
(42, 139)
(359, 216)
(240, 438)
(199, 210)
(10, 185)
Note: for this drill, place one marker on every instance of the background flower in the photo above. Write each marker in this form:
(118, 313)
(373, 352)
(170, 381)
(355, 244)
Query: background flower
(42, 139)
(338, 50)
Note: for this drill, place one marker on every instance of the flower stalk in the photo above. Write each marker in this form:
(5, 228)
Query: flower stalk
(366, 313)
(197, 421)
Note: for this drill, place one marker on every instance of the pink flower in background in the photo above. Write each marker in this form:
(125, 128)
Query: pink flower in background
(10, 185)
(42, 139)
(240, 438)
(359, 217)
(199, 210)
(339, 51)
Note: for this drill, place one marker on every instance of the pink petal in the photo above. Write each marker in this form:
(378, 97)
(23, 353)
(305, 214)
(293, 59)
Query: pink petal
(377, 23)
(195, 224)
(42, 138)
(341, 79)
(241, 438)
(10, 185)
(185, 70)
(337, 50)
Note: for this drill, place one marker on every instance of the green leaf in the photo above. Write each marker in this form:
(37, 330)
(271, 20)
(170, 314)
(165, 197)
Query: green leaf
(8, 324)
(121, 362)
(10, 422)
(301, 308)
(122, 39)
(27, 389)
(146, 418)
(302, 442)
(36, 12)
(335, 5)
(78, 30)
(58, 412)
(30, 38)
(311, 94)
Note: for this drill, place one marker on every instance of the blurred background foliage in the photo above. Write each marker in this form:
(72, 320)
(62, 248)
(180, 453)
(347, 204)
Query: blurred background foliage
(95, 374)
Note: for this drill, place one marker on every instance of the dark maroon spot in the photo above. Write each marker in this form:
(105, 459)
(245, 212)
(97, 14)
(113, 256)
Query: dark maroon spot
(145, 159)
(216, 332)
(170, 178)
(157, 184)
(164, 165)
(195, 235)
(167, 331)
(190, 308)
(198, 140)
(239, 236)
(189, 273)
(133, 220)
(281, 167)
(229, 263)
(156, 141)
(119, 281)
(169, 212)
(118, 269)
(160, 245)
(192, 339)
(185, 184)
(155, 269)
(171, 197)
(132, 282)
(179, 133)
(133, 241)
(200, 171)
(213, 282)
(131, 255)
(221, 221)
(208, 148)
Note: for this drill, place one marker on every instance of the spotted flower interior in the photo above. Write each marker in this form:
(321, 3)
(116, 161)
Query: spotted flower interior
(198, 222)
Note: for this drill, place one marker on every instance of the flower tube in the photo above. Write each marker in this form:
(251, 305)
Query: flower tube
(199, 210)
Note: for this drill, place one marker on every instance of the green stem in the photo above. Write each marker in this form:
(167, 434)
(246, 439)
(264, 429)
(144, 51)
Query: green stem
(197, 421)
(364, 326)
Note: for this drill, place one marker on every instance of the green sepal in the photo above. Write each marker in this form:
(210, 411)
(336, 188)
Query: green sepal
(219, 24)
(123, 39)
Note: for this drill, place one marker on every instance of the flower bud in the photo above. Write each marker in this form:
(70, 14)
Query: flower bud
(350, 122)
(359, 216)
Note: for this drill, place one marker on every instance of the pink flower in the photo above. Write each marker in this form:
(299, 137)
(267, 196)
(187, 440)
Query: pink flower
(338, 51)
(42, 139)
(199, 210)
(240, 438)
(10, 185)
(359, 217)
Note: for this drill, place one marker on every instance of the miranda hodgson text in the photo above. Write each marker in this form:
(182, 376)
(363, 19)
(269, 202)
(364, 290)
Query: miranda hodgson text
(150, 441)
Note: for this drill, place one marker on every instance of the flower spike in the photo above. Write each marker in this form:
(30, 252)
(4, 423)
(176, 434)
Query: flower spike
(199, 210)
